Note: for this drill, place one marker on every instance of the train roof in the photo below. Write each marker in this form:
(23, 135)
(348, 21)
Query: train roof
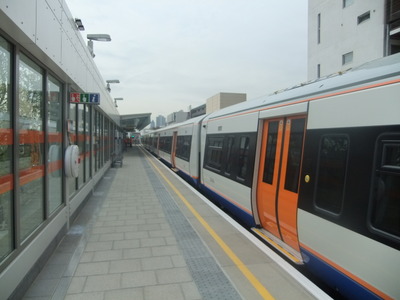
(375, 70)
(194, 120)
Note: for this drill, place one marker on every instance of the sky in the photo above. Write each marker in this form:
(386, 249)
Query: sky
(170, 55)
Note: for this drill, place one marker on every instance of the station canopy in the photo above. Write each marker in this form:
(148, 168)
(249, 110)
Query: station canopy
(136, 122)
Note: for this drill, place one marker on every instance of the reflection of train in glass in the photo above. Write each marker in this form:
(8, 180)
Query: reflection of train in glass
(314, 170)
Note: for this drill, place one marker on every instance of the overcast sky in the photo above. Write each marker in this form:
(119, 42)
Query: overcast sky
(172, 54)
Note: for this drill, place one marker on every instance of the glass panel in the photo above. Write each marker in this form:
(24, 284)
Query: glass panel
(243, 156)
(229, 160)
(72, 140)
(332, 167)
(98, 142)
(6, 143)
(183, 147)
(54, 167)
(106, 140)
(31, 139)
(214, 152)
(87, 142)
(81, 143)
(294, 155)
(391, 156)
(269, 164)
(101, 135)
(386, 199)
(386, 214)
(94, 142)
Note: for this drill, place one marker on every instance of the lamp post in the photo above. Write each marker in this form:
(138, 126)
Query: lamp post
(111, 81)
(117, 99)
(96, 37)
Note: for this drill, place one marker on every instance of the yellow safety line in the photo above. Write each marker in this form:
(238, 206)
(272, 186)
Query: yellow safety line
(242, 267)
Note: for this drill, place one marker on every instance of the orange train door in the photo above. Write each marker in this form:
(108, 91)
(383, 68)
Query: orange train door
(278, 178)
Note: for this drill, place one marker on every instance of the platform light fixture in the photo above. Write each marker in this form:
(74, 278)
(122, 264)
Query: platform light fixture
(79, 25)
(117, 99)
(96, 37)
(111, 81)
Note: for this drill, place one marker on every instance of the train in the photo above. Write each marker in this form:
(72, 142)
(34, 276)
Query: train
(313, 170)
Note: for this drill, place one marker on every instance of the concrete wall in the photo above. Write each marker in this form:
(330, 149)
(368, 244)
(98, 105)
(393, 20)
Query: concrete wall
(222, 100)
(340, 33)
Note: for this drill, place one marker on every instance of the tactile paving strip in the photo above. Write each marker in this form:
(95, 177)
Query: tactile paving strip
(210, 280)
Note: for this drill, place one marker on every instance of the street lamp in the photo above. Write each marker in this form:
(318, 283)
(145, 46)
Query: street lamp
(116, 99)
(96, 37)
(111, 81)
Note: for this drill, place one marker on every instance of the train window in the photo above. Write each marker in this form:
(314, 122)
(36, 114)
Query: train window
(230, 140)
(332, 168)
(294, 155)
(232, 156)
(269, 164)
(243, 157)
(165, 143)
(214, 152)
(391, 156)
(183, 144)
(161, 144)
(385, 212)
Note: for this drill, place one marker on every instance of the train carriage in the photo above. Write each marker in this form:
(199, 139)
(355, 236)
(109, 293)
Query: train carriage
(315, 172)
(228, 150)
(187, 151)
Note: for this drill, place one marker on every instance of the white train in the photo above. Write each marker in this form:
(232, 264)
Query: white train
(313, 170)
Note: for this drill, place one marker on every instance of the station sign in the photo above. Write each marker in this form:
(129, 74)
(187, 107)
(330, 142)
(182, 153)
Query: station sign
(86, 98)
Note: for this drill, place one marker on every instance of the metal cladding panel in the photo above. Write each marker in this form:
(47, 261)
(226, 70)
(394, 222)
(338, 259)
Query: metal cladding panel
(299, 108)
(49, 32)
(23, 13)
(370, 107)
(373, 262)
(237, 194)
(245, 122)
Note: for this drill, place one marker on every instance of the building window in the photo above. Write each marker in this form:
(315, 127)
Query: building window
(319, 29)
(347, 58)
(54, 121)
(319, 71)
(364, 17)
(88, 153)
(6, 159)
(347, 3)
(31, 146)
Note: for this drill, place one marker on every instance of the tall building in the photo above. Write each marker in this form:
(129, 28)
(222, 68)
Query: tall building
(177, 117)
(222, 100)
(345, 34)
(160, 121)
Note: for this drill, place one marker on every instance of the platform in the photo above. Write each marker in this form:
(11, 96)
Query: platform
(145, 234)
